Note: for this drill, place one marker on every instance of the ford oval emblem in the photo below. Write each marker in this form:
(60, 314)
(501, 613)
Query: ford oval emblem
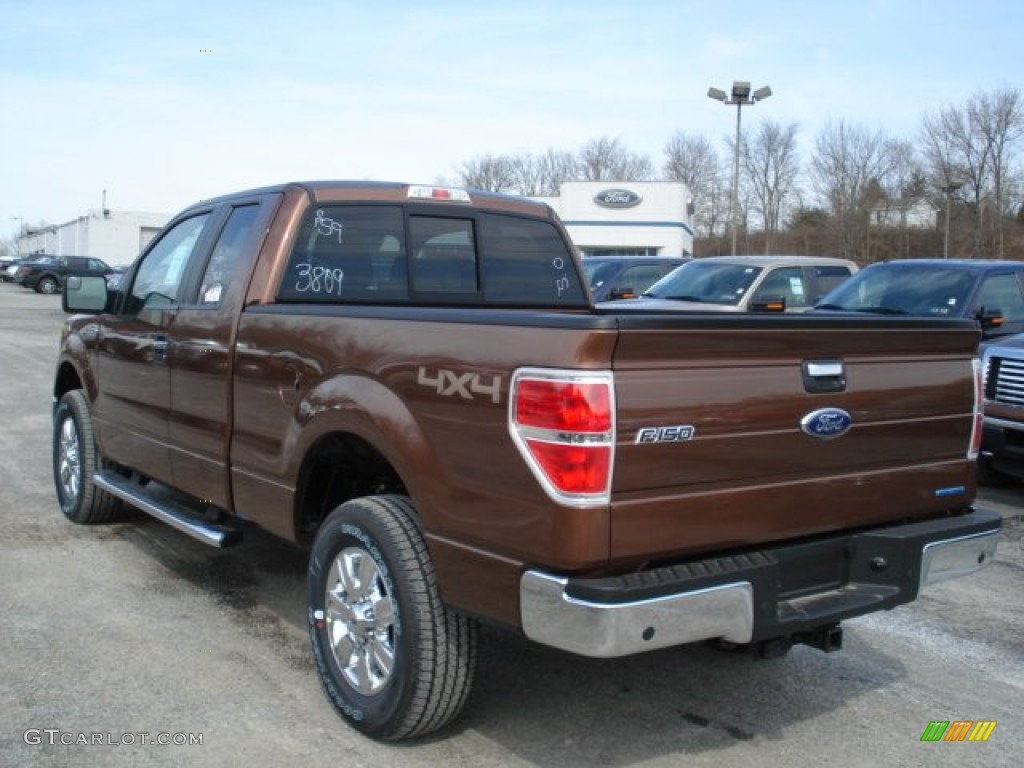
(826, 423)
(617, 198)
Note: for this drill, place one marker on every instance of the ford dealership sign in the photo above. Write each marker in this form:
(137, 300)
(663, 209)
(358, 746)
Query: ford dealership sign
(617, 198)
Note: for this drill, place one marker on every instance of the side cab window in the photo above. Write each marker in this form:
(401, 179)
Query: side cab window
(1002, 292)
(787, 282)
(158, 278)
(222, 268)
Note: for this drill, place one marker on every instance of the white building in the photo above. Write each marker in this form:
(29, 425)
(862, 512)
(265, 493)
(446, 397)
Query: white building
(116, 237)
(636, 218)
(914, 213)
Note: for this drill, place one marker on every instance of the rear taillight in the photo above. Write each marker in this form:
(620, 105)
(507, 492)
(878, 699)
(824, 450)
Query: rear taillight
(563, 423)
(977, 427)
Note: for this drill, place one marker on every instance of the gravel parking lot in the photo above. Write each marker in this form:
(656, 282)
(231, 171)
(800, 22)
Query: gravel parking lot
(128, 634)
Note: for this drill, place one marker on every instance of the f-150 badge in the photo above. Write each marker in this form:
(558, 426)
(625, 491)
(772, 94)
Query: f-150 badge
(826, 423)
(676, 434)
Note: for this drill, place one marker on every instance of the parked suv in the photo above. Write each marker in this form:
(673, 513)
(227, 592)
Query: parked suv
(46, 273)
(746, 283)
(625, 277)
(991, 292)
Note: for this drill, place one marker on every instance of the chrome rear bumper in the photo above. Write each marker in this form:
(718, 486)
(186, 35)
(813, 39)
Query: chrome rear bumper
(778, 592)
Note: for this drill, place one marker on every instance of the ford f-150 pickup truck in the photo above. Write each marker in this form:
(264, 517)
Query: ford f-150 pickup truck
(414, 383)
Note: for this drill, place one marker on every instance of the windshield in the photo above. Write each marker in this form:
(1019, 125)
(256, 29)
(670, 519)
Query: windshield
(707, 282)
(914, 290)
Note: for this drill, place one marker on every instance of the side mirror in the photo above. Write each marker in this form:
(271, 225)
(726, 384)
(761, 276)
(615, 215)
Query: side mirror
(767, 304)
(621, 293)
(989, 318)
(84, 293)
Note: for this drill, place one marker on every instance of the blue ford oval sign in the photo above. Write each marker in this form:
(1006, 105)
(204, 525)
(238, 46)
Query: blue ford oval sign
(617, 198)
(826, 423)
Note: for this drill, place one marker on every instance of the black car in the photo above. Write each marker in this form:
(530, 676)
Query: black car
(46, 274)
(623, 277)
(989, 291)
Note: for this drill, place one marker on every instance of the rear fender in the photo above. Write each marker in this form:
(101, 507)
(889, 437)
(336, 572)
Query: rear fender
(360, 405)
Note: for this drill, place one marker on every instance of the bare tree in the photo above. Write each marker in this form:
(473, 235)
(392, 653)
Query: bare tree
(693, 161)
(905, 183)
(973, 145)
(543, 175)
(846, 160)
(1000, 121)
(957, 155)
(556, 167)
(771, 168)
(606, 159)
(526, 174)
(493, 173)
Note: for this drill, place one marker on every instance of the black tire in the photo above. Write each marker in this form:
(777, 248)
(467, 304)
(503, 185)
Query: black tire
(47, 284)
(75, 460)
(413, 656)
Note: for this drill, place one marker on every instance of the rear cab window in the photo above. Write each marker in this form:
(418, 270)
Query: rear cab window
(388, 253)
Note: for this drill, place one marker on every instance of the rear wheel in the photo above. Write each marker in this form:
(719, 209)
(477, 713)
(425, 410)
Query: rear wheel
(75, 460)
(47, 284)
(392, 657)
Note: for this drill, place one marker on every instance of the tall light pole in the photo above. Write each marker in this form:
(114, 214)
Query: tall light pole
(740, 95)
(949, 188)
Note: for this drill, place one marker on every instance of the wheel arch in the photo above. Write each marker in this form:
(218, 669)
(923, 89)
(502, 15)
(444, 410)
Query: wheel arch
(73, 370)
(68, 377)
(362, 439)
(337, 467)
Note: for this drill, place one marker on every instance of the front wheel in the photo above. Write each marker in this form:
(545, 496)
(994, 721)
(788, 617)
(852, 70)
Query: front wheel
(75, 460)
(392, 657)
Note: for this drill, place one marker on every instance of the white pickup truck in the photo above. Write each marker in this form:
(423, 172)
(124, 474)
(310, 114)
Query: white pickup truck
(746, 284)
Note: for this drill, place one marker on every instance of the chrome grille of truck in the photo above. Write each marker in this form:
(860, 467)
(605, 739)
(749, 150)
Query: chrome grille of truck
(1006, 381)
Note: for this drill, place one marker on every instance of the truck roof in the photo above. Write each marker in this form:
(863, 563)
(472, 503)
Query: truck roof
(398, 192)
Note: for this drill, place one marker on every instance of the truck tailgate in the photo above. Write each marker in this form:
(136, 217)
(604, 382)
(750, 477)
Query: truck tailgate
(710, 449)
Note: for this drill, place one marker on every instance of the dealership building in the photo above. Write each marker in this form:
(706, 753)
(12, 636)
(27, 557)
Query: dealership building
(641, 218)
(116, 237)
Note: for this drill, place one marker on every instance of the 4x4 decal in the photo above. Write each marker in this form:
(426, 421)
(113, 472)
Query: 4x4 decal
(448, 383)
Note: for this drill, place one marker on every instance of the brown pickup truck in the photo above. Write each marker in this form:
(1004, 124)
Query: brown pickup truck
(413, 382)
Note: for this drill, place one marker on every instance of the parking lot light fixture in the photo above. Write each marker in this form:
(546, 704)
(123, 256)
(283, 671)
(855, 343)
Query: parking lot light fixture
(741, 95)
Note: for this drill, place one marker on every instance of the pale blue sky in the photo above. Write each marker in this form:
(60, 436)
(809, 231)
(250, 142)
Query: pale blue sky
(163, 104)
